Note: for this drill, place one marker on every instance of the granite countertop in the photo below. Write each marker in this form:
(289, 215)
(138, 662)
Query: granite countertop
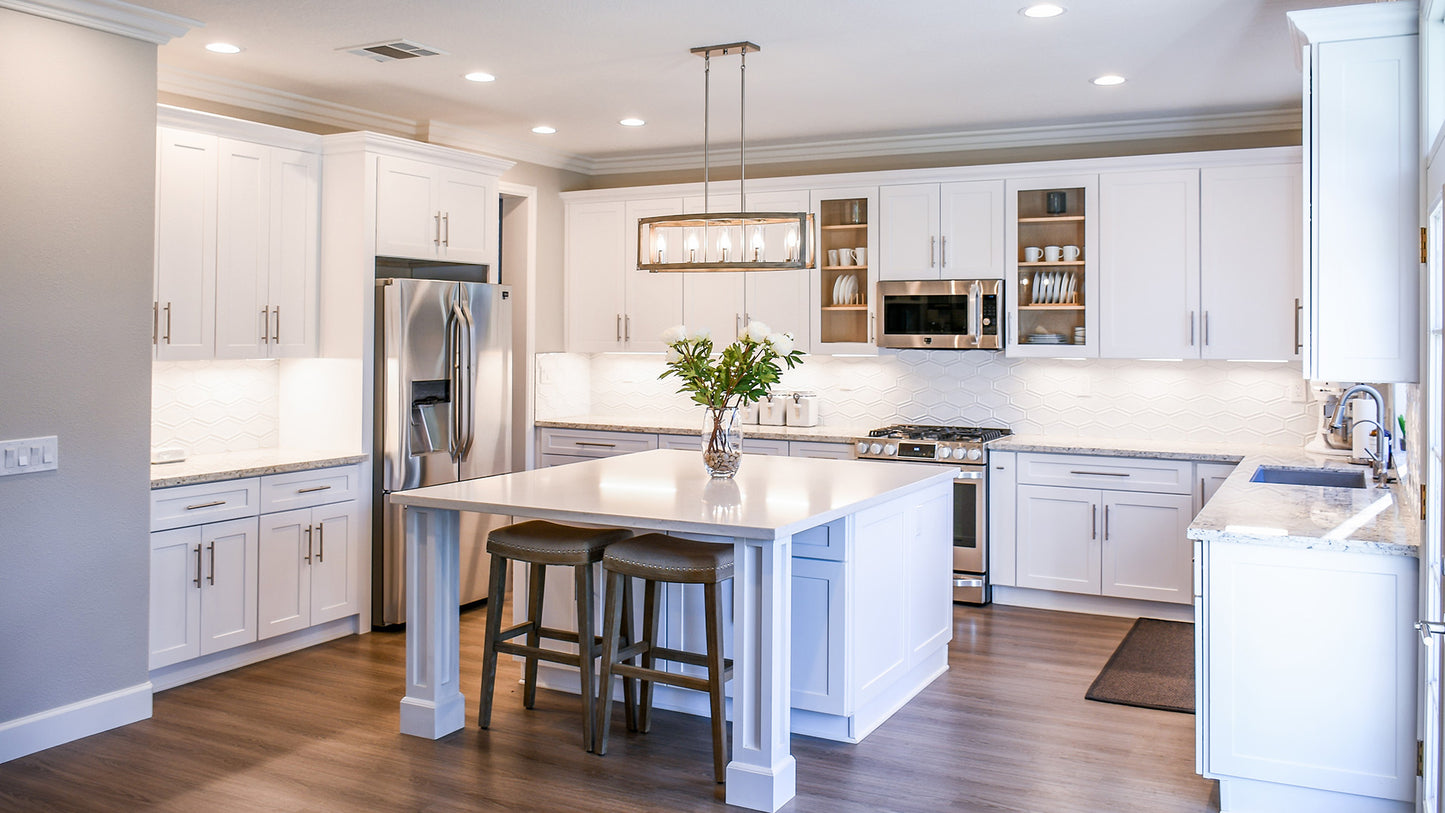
(674, 426)
(1114, 447)
(209, 468)
(1356, 520)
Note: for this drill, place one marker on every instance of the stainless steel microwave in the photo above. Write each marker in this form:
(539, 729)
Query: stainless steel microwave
(946, 314)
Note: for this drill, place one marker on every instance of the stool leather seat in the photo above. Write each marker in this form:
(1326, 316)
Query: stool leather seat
(670, 559)
(549, 543)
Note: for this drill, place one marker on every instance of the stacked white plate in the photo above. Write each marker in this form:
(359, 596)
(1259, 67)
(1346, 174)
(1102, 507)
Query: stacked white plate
(1044, 338)
(845, 290)
(1054, 288)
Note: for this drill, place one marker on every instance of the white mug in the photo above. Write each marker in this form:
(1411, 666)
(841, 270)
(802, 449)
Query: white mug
(1071, 253)
(845, 256)
(832, 256)
(1053, 254)
(860, 255)
(1033, 254)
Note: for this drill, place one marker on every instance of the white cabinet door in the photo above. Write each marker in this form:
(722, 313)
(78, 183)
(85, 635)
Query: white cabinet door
(1211, 476)
(1250, 261)
(408, 222)
(185, 245)
(971, 230)
(287, 546)
(334, 566)
(653, 301)
(927, 552)
(175, 597)
(1002, 518)
(228, 589)
(1058, 545)
(908, 232)
(818, 646)
(715, 300)
(294, 240)
(596, 298)
(778, 299)
(1149, 264)
(243, 258)
(468, 205)
(1365, 208)
(1146, 553)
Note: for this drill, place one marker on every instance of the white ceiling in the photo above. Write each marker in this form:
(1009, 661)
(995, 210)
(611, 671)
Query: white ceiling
(828, 69)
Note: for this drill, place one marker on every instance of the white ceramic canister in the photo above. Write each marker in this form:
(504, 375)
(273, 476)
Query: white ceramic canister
(802, 408)
(749, 413)
(772, 410)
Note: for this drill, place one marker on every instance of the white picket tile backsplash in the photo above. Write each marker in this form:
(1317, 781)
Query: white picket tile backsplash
(1190, 400)
(207, 407)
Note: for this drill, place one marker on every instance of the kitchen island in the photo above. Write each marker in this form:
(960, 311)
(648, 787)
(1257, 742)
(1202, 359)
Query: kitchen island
(773, 506)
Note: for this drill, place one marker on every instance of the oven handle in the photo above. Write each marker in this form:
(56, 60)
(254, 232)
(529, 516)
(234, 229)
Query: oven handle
(968, 475)
(968, 582)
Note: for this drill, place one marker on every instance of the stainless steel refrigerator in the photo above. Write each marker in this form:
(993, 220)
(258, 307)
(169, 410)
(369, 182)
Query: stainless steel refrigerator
(442, 413)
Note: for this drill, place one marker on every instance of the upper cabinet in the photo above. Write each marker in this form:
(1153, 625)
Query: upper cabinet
(1053, 284)
(432, 212)
(1362, 157)
(236, 242)
(611, 305)
(842, 284)
(941, 231)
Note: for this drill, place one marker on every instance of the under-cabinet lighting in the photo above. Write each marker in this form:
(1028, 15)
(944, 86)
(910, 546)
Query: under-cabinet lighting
(223, 48)
(1042, 10)
(1256, 361)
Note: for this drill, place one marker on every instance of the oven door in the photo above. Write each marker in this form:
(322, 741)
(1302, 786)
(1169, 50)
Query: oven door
(970, 536)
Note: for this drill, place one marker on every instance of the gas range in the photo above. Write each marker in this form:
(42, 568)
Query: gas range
(917, 442)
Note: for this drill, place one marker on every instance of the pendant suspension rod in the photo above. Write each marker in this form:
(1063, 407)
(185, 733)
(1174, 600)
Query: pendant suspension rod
(706, 111)
(743, 133)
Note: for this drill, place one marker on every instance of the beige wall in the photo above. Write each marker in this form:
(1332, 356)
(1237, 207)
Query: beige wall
(550, 183)
(76, 235)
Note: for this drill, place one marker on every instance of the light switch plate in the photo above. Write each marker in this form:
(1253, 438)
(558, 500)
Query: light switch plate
(27, 455)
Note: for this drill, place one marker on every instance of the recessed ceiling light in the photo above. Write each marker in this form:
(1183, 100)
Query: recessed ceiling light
(223, 48)
(1041, 10)
(543, 129)
(1108, 79)
(632, 122)
(480, 76)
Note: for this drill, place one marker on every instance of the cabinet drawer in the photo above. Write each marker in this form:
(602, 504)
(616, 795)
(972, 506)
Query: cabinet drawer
(180, 506)
(588, 443)
(1113, 473)
(814, 448)
(821, 542)
(303, 489)
(693, 443)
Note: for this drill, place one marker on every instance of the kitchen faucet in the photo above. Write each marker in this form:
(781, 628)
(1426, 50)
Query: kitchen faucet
(1381, 464)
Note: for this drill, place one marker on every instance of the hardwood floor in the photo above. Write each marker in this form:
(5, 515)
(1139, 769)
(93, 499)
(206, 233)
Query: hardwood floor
(1007, 728)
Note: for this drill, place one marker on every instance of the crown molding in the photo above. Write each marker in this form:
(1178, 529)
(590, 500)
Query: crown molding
(439, 132)
(267, 100)
(1045, 135)
(1366, 21)
(110, 16)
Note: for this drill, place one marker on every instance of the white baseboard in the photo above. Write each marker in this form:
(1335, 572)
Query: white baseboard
(1091, 605)
(169, 677)
(63, 724)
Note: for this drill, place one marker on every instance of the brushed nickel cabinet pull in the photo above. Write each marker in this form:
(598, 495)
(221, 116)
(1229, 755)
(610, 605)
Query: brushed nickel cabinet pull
(1094, 522)
(210, 504)
(167, 335)
(446, 228)
(198, 565)
(307, 557)
(619, 327)
(1206, 328)
(943, 251)
(311, 489)
(627, 328)
(1191, 328)
(932, 252)
(155, 322)
(592, 443)
(1102, 473)
(1299, 309)
(276, 336)
(320, 542)
(437, 236)
(211, 579)
(266, 325)
(1106, 522)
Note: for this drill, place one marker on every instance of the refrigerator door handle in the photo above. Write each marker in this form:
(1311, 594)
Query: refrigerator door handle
(465, 392)
(453, 354)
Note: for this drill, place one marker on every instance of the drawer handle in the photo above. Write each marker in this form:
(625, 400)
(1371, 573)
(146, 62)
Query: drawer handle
(968, 582)
(311, 489)
(590, 443)
(198, 565)
(211, 504)
(1102, 473)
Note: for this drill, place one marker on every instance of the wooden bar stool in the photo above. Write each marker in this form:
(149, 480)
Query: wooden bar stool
(540, 543)
(659, 558)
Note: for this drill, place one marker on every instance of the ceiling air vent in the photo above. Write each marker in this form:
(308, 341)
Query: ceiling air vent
(392, 50)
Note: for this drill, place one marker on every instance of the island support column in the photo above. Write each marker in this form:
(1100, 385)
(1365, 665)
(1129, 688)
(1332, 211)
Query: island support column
(762, 774)
(433, 706)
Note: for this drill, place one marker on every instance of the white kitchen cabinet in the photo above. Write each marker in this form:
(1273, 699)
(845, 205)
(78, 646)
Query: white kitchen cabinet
(1058, 539)
(1146, 554)
(941, 231)
(693, 442)
(1361, 137)
(611, 305)
(309, 543)
(433, 212)
(185, 277)
(266, 251)
(1289, 632)
(816, 448)
(653, 302)
(844, 217)
(1210, 476)
(1044, 319)
(203, 590)
(1149, 264)
(1250, 227)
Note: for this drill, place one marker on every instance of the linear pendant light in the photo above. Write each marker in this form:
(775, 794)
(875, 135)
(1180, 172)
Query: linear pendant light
(725, 241)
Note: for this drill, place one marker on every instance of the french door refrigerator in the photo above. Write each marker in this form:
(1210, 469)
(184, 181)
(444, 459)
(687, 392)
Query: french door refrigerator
(442, 414)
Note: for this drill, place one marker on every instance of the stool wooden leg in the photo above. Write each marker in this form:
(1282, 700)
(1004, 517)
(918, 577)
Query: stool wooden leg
(629, 635)
(649, 657)
(496, 597)
(586, 652)
(611, 624)
(538, 586)
(714, 614)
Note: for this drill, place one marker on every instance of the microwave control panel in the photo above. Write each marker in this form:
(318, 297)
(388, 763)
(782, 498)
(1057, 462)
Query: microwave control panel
(989, 307)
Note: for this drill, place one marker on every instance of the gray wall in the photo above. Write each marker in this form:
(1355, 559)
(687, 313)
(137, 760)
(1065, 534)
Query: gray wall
(77, 196)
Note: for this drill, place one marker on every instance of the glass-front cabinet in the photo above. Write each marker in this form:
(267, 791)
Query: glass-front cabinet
(1053, 286)
(843, 285)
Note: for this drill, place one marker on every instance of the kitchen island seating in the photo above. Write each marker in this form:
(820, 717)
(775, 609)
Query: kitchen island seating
(540, 543)
(658, 558)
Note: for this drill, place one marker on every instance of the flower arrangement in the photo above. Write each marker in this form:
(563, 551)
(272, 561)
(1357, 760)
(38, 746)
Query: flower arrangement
(741, 374)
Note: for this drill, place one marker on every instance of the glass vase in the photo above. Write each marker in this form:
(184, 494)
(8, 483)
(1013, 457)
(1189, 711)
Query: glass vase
(722, 441)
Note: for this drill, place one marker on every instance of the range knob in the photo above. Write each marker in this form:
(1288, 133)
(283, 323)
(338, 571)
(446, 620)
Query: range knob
(876, 448)
(974, 454)
(945, 452)
(862, 447)
(890, 449)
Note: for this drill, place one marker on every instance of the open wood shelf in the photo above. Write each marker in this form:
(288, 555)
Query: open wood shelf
(845, 268)
(1043, 263)
(862, 307)
(1047, 307)
(846, 226)
(1053, 219)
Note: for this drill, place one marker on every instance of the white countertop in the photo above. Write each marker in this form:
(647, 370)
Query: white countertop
(770, 497)
(1358, 520)
(672, 426)
(209, 468)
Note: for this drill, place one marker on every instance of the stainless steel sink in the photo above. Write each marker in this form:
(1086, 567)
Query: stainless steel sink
(1329, 478)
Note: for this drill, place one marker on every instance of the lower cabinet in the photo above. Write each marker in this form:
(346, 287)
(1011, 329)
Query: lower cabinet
(203, 590)
(307, 568)
(558, 446)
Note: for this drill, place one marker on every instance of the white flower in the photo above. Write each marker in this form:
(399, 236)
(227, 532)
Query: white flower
(674, 333)
(782, 343)
(700, 334)
(757, 331)
(672, 354)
